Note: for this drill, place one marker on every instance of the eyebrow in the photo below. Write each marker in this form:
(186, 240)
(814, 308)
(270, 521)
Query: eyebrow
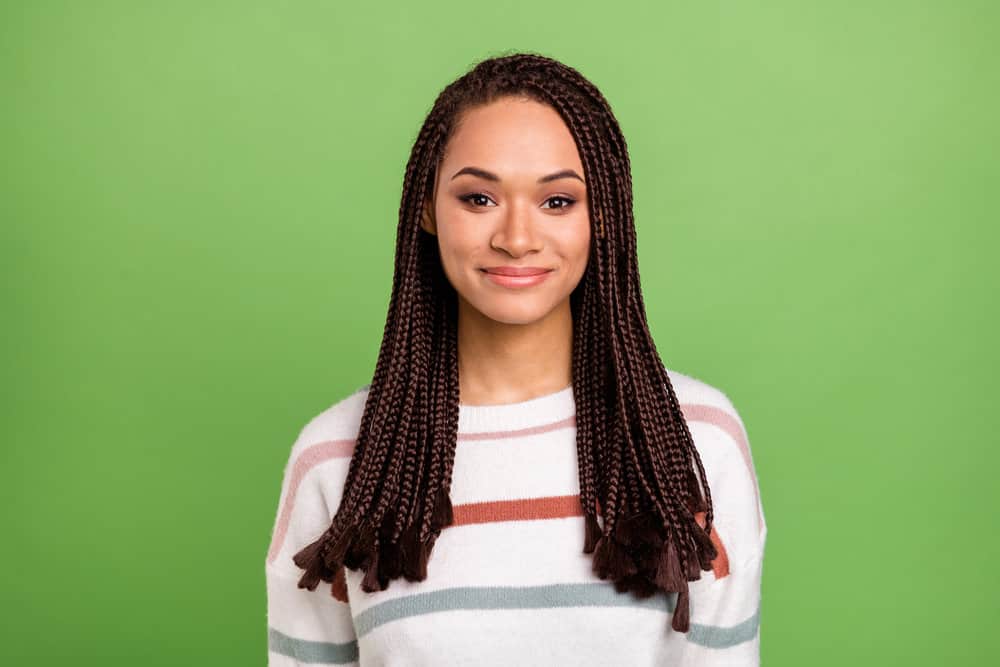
(490, 176)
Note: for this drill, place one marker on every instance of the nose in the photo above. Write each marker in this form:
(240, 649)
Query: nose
(516, 233)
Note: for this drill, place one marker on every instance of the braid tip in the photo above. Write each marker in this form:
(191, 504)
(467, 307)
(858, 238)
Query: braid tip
(374, 579)
(612, 560)
(681, 620)
(443, 514)
(391, 559)
(592, 533)
(311, 559)
(669, 575)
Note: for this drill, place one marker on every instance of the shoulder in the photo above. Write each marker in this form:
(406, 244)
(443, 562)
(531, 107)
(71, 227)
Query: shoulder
(340, 421)
(723, 444)
(706, 403)
(694, 391)
(321, 453)
(314, 475)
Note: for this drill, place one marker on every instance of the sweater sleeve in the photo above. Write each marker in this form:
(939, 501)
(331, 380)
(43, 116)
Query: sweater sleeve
(307, 627)
(726, 605)
(725, 617)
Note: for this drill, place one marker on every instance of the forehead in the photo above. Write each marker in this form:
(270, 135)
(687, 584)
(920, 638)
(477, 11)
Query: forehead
(513, 134)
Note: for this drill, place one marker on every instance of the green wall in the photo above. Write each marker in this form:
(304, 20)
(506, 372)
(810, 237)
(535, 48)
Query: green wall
(198, 205)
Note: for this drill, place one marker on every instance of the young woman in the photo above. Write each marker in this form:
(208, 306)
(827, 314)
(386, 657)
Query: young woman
(523, 481)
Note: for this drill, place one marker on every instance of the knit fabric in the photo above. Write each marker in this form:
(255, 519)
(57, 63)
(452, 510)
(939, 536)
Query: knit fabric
(508, 583)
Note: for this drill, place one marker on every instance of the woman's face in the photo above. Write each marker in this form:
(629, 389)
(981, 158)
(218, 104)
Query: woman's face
(510, 197)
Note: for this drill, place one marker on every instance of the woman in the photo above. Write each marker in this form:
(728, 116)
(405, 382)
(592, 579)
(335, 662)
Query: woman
(517, 377)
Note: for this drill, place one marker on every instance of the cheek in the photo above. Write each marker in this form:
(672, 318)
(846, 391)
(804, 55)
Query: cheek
(456, 251)
(576, 243)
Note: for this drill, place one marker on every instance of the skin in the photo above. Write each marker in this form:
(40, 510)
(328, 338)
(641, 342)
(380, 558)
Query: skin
(514, 344)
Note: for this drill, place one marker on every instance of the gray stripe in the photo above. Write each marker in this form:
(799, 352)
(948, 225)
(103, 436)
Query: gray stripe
(305, 650)
(545, 597)
(716, 636)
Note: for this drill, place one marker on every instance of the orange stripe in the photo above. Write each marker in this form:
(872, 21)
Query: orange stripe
(522, 509)
(720, 564)
(339, 587)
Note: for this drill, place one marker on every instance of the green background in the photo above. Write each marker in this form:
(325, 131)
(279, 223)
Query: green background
(199, 202)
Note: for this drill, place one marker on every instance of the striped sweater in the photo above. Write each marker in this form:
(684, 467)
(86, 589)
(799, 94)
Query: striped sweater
(508, 582)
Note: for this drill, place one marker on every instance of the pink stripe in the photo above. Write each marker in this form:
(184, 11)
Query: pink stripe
(309, 458)
(521, 432)
(725, 421)
(324, 451)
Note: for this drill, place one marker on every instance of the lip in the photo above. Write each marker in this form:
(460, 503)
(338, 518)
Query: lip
(516, 276)
(516, 270)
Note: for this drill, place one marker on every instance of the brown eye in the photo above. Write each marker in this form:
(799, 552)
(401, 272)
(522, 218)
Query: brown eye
(568, 204)
(477, 196)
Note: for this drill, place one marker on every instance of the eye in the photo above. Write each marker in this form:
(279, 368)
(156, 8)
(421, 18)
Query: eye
(476, 199)
(474, 195)
(569, 201)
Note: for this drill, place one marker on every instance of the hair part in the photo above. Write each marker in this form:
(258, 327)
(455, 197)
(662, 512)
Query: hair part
(641, 477)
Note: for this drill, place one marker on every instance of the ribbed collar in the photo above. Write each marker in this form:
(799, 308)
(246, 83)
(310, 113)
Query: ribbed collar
(537, 411)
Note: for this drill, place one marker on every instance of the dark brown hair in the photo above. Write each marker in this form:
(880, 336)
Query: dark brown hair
(637, 460)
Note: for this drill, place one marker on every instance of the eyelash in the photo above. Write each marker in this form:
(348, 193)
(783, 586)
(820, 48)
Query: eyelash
(567, 206)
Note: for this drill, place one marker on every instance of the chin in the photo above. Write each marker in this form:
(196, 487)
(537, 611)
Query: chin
(514, 314)
(513, 320)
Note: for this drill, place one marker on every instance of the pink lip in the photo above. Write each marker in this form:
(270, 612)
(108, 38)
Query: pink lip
(516, 270)
(513, 276)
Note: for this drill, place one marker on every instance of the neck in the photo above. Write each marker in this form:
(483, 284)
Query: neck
(506, 363)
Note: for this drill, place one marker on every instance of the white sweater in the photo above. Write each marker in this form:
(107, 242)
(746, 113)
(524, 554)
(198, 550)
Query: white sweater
(508, 583)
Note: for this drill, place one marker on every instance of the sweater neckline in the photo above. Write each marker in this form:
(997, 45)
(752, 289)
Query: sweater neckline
(537, 411)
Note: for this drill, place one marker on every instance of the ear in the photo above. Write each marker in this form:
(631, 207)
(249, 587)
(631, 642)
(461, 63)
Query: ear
(427, 221)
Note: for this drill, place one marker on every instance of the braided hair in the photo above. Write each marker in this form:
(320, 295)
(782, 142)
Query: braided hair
(641, 478)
